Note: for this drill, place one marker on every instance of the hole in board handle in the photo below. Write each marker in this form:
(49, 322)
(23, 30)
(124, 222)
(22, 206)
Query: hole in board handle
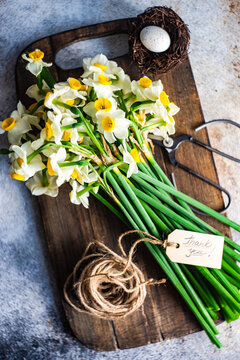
(112, 46)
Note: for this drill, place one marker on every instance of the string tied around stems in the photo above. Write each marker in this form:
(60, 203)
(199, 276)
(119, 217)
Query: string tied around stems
(106, 284)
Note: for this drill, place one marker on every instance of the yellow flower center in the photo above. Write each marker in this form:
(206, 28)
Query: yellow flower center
(145, 82)
(20, 161)
(46, 97)
(32, 106)
(103, 104)
(8, 124)
(108, 124)
(74, 174)
(17, 176)
(100, 66)
(164, 98)
(66, 135)
(36, 55)
(134, 153)
(70, 102)
(75, 84)
(49, 130)
(104, 80)
(80, 140)
(49, 167)
(171, 119)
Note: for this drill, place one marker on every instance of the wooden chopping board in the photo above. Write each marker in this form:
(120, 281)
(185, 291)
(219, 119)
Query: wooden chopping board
(69, 228)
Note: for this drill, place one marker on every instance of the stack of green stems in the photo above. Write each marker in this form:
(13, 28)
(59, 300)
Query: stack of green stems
(145, 202)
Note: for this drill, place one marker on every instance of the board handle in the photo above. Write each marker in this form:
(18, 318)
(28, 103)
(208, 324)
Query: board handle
(66, 38)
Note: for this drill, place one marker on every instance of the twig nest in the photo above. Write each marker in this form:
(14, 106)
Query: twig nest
(159, 40)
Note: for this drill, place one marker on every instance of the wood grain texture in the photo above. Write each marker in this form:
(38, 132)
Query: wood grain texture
(69, 228)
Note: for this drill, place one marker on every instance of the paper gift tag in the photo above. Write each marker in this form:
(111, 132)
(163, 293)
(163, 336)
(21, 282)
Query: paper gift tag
(196, 248)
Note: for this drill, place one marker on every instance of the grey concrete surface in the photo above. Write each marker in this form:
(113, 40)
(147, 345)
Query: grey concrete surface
(32, 325)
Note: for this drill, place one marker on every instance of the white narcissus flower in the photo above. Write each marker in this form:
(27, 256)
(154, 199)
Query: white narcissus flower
(168, 128)
(37, 187)
(18, 124)
(84, 175)
(53, 166)
(50, 96)
(146, 89)
(77, 200)
(172, 109)
(131, 159)
(98, 63)
(20, 167)
(113, 124)
(72, 133)
(104, 104)
(105, 84)
(35, 63)
(52, 131)
(34, 93)
(73, 90)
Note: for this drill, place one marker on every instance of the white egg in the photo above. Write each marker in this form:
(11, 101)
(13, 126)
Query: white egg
(155, 39)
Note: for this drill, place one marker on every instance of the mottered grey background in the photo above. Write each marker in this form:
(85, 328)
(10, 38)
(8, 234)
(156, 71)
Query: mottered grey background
(32, 325)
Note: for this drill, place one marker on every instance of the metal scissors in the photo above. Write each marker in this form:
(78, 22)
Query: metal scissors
(172, 144)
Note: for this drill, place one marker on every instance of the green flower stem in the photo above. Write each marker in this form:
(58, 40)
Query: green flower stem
(213, 314)
(137, 105)
(229, 313)
(72, 126)
(86, 123)
(219, 287)
(172, 224)
(224, 281)
(194, 203)
(162, 216)
(194, 296)
(36, 152)
(232, 253)
(110, 207)
(228, 268)
(134, 200)
(127, 203)
(64, 145)
(153, 126)
(230, 262)
(162, 176)
(74, 163)
(122, 101)
(129, 98)
(46, 75)
(206, 287)
(87, 188)
(233, 281)
(158, 222)
(199, 289)
(40, 103)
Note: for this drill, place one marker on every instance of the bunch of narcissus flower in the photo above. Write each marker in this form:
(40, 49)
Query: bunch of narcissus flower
(93, 133)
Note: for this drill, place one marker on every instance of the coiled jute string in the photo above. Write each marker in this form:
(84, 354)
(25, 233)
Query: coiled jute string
(106, 284)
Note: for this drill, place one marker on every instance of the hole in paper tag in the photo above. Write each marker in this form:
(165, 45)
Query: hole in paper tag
(194, 248)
